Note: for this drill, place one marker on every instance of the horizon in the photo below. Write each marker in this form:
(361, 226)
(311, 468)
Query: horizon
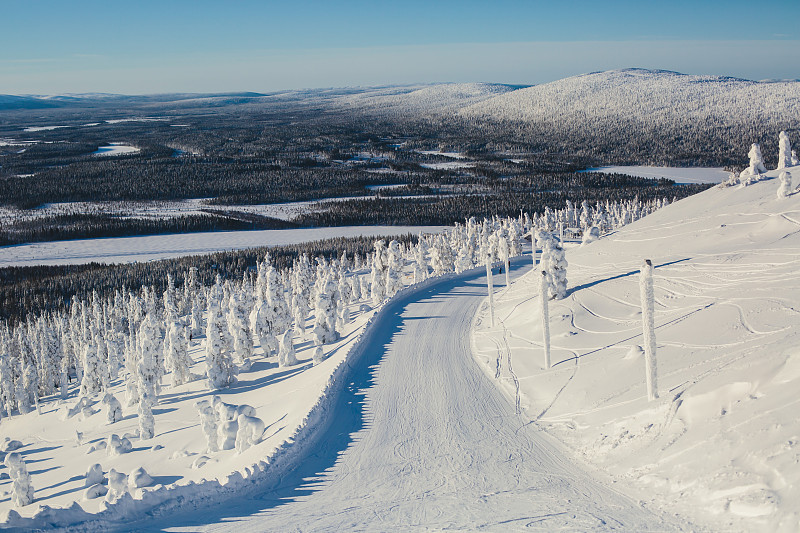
(245, 92)
(200, 48)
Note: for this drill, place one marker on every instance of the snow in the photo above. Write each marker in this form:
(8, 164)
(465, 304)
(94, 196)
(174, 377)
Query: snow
(679, 175)
(31, 129)
(452, 155)
(720, 445)
(153, 247)
(448, 165)
(418, 439)
(115, 149)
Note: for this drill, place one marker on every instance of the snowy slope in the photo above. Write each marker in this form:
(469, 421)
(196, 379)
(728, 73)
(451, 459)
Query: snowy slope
(439, 98)
(421, 440)
(722, 444)
(653, 96)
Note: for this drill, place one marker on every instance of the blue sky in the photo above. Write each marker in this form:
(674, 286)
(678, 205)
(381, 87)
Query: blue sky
(202, 46)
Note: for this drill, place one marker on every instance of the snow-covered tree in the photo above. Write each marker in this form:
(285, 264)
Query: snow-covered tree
(378, 275)
(325, 312)
(21, 487)
(208, 423)
(177, 344)
(394, 269)
(785, 186)
(420, 260)
(555, 263)
(220, 368)
(287, 356)
(441, 256)
(756, 162)
(784, 151)
(302, 281)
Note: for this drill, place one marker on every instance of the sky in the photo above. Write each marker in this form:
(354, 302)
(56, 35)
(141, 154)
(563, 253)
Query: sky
(55, 47)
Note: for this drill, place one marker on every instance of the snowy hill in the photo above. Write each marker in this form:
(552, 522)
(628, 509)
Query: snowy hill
(722, 444)
(640, 94)
(439, 98)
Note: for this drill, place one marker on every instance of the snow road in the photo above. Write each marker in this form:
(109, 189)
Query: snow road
(421, 438)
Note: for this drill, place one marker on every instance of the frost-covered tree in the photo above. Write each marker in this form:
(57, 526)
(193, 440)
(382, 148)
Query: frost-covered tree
(555, 264)
(147, 348)
(208, 423)
(378, 275)
(287, 356)
(784, 151)
(28, 389)
(394, 268)
(302, 279)
(113, 408)
(238, 325)
(795, 159)
(785, 186)
(756, 162)
(275, 297)
(147, 423)
(345, 290)
(7, 392)
(220, 368)
(21, 487)
(178, 360)
(325, 312)
(355, 287)
(441, 256)
(420, 260)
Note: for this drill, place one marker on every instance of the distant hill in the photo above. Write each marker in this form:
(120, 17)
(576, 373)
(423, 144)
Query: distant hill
(644, 95)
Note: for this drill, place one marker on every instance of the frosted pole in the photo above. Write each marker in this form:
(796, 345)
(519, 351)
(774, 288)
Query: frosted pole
(543, 296)
(490, 287)
(648, 327)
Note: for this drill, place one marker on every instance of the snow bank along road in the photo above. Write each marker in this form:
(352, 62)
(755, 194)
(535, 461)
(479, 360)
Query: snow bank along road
(421, 438)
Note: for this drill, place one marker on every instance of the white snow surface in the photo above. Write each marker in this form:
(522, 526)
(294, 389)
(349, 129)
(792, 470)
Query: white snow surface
(115, 149)
(679, 175)
(722, 443)
(419, 439)
(153, 247)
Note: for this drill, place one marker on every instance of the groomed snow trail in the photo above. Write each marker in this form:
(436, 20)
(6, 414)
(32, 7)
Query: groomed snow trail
(422, 439)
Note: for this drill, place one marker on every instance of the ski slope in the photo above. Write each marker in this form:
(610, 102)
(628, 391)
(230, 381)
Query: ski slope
(721, 444)
(420, 439)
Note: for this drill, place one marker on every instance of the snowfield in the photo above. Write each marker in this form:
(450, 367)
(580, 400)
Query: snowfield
(679, 175)
(722, 443)
(153, 247)
(115, 149)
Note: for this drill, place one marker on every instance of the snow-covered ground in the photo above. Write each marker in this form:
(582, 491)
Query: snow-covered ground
(679, 175)
(722, 443)
(152, 247)
(420, 440)
(115, 149)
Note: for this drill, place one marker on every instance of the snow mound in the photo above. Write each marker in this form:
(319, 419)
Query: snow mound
(721, 444)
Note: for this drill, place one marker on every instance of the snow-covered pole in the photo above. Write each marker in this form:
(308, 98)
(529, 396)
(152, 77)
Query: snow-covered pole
(489, 286)
(543, 296)
(648, 327)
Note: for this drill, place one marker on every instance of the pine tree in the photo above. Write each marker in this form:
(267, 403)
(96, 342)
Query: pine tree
(220, 369)
(378, 275)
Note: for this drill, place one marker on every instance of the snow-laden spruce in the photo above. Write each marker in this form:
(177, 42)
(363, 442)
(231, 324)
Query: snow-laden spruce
(784, 151)
(785, 184)
(21, 487)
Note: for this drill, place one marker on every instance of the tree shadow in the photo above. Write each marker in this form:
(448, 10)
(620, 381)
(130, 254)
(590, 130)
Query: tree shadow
(577, 288)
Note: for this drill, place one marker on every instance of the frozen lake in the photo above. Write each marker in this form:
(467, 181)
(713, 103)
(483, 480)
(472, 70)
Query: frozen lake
(153, 247)
(680, 175)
